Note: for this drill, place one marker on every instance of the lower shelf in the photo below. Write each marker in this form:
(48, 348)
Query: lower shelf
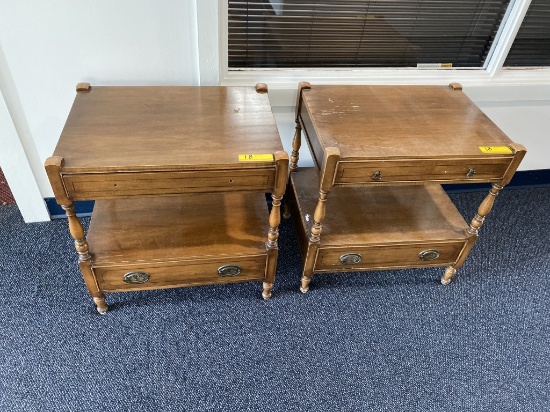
(377, 227)
(165, 242)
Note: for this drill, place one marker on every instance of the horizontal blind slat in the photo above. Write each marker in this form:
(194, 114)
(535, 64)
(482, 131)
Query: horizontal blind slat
(531, 46)
(300, 33)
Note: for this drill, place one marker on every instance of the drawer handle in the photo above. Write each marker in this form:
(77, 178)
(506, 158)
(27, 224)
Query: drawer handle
(377, 175)
(136, 277)
(229, 270)
(430, 254)
(471, 172)
(350, 259)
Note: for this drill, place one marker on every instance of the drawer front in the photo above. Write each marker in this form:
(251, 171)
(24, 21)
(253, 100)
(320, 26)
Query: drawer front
(444, 170)
(178, 274)
(387, 257)
(89, 186)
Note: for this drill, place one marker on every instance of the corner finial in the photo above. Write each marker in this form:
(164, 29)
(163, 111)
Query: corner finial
(261, 88)
(83, 87)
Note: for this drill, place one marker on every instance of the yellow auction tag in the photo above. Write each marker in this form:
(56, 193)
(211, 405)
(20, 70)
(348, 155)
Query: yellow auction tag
(265, 157)
(496, 149)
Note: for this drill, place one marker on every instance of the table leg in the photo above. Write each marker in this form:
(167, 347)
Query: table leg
(272, 247)
(473, 232)
(84, 257)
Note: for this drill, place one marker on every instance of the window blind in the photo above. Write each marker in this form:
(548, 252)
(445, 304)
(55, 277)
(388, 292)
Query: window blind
(531, 46)
(356, 33)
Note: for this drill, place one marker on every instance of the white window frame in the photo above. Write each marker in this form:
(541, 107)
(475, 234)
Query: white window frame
(213, 43)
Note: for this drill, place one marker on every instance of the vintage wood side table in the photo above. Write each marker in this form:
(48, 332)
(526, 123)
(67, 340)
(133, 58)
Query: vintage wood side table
(382, 152)
(179, 176)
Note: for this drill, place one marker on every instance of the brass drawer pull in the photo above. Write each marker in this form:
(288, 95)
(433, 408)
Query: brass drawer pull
(229, 270)
(350, 259)
(430, 254)
(136, 277)
(377, 175)
(471, 172)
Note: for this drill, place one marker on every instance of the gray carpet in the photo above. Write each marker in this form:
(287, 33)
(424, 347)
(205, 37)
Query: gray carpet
(380, 341)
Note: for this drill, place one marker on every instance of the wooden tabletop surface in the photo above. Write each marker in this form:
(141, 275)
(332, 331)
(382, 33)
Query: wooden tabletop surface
(166, 128)
(399, 121)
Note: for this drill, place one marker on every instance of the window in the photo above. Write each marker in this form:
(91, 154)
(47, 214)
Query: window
(531, 46)
(362, 34)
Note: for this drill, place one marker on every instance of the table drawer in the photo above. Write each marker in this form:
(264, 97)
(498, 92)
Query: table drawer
(87, 186)
(334, 259)
(440, 170)
(142, 276)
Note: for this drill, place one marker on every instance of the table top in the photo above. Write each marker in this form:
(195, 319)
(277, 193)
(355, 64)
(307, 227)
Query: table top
(167, 128)
(384, 122)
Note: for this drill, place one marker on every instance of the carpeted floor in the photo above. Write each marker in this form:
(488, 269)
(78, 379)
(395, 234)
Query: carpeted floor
(376, 341)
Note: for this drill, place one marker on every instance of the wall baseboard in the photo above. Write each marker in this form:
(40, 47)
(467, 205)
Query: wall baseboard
(526, 179)
(522, 180)
(83, 208)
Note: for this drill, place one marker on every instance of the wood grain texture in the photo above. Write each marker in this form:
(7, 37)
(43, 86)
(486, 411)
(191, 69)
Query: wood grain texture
(392, 256)
(124, 231)
(387, 226)
(175, 201)
(389, 138)
(379, 215)
(166, 128)
(421, 170)
(520, 153)
(385, 122)
(272, 247)
(53, 167)
(183, 273)
(125, 184)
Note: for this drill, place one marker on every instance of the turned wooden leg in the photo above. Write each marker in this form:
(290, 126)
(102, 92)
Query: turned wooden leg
(330, 164)
(314, 240)
(473, 231)
(266, 292)
(297, 140)
(296, 143)
(309, 263)
(84, 258)
(272, 247)
(101, 306)
(448, 276)
(304, 287)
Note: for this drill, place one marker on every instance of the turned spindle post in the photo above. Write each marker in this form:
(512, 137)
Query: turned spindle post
(297, 140)
(281, 176)
(326, 181)
(53, 167)
(473, 230)
(484, 209)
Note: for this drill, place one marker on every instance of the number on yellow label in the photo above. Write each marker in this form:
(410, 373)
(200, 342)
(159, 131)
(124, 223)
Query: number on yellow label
(255, 157)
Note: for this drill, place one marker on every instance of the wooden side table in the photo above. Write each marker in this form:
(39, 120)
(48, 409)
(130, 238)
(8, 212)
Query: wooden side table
(179, 176)
(381, 152)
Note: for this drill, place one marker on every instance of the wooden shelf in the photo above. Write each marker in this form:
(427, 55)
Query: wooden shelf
(178, 241)
(388, 225)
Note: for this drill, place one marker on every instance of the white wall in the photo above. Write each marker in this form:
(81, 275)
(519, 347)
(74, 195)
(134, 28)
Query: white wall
(46, 48)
